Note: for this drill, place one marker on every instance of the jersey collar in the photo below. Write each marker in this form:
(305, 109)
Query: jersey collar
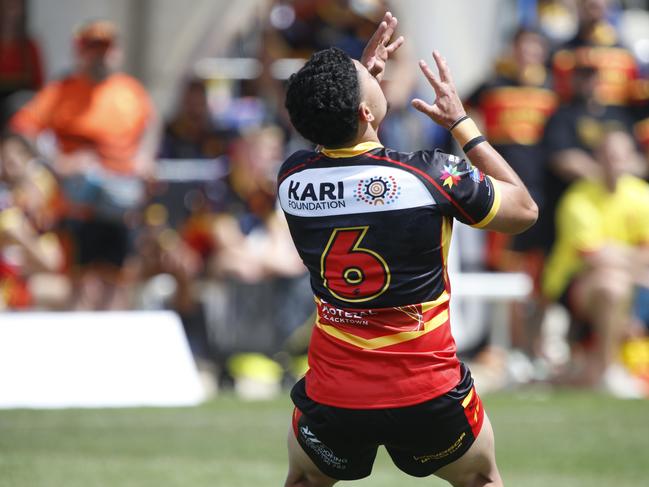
(351, 151)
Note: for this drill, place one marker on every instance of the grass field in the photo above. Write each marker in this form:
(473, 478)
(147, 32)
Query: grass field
(565, 439)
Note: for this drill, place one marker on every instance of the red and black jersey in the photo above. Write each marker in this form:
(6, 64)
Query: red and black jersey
(616, 67)
(515, 115)
(373, 227)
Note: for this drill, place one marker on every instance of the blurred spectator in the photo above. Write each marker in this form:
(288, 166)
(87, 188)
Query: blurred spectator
(252, 241)
(27, 246)
(265, 291)
(596, 46)
(34, 187)
(570, 138)
(514, 106)
(99, 118)
(168, 270)
(20, 60)
(601, 253)
(191, 133)
(162, 251)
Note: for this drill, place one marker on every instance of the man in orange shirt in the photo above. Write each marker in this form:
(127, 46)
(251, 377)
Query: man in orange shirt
(94, 110)
(99, 118)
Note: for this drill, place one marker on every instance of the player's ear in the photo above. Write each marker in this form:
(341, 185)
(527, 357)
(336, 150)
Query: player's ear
(364, 113)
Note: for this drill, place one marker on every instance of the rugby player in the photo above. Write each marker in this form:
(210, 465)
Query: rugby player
(373, 227)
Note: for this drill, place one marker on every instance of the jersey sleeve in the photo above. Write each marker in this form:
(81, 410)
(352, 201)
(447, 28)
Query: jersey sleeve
(462, 190)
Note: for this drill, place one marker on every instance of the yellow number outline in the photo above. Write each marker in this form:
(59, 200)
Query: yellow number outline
(355, 248)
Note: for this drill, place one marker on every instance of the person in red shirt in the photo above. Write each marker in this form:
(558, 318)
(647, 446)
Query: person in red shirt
(102, 122)
(373, 227)
(21, 68)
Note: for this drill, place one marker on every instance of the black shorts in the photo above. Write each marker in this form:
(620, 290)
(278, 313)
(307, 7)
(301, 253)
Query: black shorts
(420, 439)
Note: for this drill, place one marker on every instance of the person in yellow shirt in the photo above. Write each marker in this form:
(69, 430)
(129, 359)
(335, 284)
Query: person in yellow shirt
(601, 253)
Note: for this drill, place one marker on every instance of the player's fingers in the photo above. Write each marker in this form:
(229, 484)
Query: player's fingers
(378, 66)
(392, 25)
(371, 63)
(442, 67)
(376, 37)
(395, 45)
(422, 106)
(430, 76)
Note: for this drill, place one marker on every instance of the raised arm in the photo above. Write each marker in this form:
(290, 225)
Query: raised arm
(517, 211)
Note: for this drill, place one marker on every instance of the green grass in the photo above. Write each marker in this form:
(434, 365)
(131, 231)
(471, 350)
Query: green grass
(565, 439)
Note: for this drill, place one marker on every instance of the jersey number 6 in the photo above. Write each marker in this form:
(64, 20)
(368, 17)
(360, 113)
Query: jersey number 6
(350, 272)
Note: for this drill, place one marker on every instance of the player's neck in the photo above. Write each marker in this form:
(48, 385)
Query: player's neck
(367, 133)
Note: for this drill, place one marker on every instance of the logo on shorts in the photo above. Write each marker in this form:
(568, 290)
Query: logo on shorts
(379, 190)
(308, 436)
(438, 456)
(325, 454)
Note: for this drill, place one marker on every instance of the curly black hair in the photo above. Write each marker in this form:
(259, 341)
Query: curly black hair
(322, 98)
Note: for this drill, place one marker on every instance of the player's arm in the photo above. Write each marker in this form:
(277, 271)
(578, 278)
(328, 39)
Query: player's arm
(378, 49)
(517, 210)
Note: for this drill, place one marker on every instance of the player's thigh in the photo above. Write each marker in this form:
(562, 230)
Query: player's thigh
(302, 472)
(477, 467)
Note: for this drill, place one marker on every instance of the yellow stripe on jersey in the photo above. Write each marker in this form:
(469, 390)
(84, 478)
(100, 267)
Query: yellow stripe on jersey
(447, 231)
(351, 151)
(384, 341)
(396, 338)
(495, 206)
(425, 307)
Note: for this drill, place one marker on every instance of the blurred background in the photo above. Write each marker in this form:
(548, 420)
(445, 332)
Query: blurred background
(139, 149)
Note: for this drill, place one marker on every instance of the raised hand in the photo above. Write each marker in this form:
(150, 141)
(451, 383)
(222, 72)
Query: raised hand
(447, 107)
(378, 49)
